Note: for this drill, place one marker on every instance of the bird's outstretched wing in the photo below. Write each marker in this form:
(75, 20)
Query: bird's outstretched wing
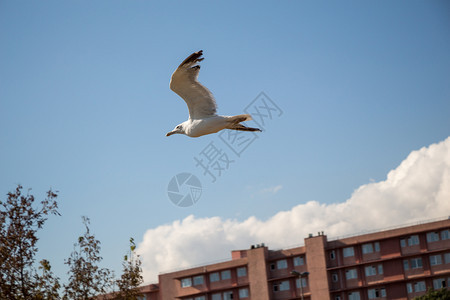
(199, 99)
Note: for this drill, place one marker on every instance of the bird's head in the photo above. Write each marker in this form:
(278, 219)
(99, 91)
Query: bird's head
(178, 129)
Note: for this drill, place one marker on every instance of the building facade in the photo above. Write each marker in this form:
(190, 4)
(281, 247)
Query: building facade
(400, 263)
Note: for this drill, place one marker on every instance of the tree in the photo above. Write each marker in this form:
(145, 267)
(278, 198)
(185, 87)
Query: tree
(131, 277)
(47, 284)
(432, 294)
(19, 222)
(86, 279)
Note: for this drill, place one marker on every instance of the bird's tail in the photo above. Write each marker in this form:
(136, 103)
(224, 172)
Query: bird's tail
(239, 118)
(235, 120)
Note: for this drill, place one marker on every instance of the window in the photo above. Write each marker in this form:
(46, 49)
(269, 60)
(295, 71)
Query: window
(227, 295)
(216, 296)
(337, 297)
(213, 277)
(370, 247)
(200, 298)
(349, 252)
(281, 286)
(284, 286)
(276, 287)
(409, 288)
(419, 286)
(367, 248)
(332, 254)
(272, 266)
(243, 293)
(380, 269)
(435, 259)
(402, 243)
(377, 293)
(447, 258)
(406, 265)
(416, 263)
(242, 272)
(351, 274)
(432, 237)
(299, 261)
(371, 271)
(225, 274)
(282, 264)
(353, 296)
(376, 246)
(304, 282)
(198, 280)
(445, 234)
(413, 240)
(186, 282)
(334, 277)
(439, 283)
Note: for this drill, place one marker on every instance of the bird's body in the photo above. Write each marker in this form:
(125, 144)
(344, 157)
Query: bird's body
(202, 107)
(208, 125)
(199, 127)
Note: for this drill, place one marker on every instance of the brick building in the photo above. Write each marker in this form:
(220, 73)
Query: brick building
(399, 263)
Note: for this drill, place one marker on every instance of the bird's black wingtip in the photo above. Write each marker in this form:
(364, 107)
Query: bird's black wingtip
(194, 57)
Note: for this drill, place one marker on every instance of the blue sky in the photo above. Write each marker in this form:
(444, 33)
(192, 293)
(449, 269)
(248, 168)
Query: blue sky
(85, 104)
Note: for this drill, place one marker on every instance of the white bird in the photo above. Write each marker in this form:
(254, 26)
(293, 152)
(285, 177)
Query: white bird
(201, 104)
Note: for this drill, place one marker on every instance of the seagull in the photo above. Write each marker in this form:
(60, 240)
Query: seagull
(203, 118)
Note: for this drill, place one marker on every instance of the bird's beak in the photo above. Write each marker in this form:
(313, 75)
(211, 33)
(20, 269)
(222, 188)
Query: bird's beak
(170, 133)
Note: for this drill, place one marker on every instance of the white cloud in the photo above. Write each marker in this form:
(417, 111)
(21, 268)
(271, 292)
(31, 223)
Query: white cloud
(272, 189)
(418, 189)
